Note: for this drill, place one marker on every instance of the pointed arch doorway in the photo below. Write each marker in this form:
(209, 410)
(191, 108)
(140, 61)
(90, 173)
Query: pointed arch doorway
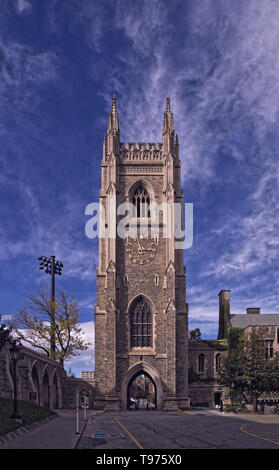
(141, 392)
(144, 377)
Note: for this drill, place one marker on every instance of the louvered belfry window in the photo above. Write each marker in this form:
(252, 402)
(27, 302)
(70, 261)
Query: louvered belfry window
(141, 202)
(141, 323)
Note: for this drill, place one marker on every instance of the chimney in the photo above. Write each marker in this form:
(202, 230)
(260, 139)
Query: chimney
(224, 313)
(254, 310)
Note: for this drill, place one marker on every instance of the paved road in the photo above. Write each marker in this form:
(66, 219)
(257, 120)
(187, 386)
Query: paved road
(173, 430)
(144, 429)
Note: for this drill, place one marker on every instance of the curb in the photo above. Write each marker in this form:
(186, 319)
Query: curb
(11, 436)
(77, 437)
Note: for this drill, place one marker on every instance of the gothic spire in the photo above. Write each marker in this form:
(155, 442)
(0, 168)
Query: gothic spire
(113, 133)
(113, 118)
(168, 130)
(168, 127)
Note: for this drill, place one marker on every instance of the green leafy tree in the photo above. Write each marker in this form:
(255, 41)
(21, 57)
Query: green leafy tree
(247, 366)
(32, 324)
(195, 334)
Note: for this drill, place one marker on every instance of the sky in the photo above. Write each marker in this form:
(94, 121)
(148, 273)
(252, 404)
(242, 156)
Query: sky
(218, 61)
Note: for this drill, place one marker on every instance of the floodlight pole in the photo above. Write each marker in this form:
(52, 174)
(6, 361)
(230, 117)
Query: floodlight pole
(52, 323)
(52, 267)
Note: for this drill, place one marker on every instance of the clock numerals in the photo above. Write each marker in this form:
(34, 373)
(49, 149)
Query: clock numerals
(141, 250)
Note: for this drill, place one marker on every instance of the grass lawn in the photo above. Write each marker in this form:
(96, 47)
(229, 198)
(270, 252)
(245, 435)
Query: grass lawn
(28, 411)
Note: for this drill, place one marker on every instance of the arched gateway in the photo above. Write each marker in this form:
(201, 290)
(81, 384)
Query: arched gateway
(136, 371)
(141, 322)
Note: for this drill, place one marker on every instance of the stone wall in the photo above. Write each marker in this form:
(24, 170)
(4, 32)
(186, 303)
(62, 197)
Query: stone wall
(204, 389)
(40, 380)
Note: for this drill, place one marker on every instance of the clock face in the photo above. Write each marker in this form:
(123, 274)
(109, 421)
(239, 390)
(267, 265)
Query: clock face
(141, 250)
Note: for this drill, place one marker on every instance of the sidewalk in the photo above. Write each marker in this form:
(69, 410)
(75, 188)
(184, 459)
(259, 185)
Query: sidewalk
(260, 418)
(58, 433)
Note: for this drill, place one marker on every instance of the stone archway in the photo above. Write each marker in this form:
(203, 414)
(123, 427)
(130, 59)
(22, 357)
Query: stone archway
(132, 373)
(141, 392)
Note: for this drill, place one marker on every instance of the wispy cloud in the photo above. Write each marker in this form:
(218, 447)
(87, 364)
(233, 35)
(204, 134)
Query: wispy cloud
(219, 91)
(84, 360)
(22, 68)
(23, 6)
(255, 237)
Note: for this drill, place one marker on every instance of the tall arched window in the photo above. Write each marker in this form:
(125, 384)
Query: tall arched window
(141, 323)
(141, 201)
(201, 362)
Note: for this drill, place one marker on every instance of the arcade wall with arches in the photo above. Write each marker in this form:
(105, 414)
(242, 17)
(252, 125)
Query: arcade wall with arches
(40, 380)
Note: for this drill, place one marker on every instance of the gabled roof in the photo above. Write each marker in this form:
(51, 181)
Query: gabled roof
(245, 320)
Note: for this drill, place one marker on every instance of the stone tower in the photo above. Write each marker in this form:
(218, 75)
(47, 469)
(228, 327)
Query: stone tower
(141, 317)
(224, 314)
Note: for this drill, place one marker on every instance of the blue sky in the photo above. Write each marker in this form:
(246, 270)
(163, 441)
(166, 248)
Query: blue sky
(61, 61)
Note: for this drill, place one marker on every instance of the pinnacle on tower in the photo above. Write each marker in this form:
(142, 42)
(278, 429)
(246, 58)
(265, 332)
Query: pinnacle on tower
(113, 108)
(113, 133)
(168, 105)
(168, 130)
(168, 119)
(113, 118)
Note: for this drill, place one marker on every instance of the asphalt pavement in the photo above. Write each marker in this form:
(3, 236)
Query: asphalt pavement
(152, 429)
(207, 429)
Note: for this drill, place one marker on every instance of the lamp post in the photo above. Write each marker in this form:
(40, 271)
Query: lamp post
(15, 353)
(52, 267)
(232, 387)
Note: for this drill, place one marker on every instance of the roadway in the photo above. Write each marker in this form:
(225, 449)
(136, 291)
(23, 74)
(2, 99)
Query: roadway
(142, 429)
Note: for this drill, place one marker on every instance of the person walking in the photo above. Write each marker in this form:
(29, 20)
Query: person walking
(221, 405)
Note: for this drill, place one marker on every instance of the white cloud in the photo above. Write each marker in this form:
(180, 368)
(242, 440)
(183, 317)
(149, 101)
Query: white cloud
(86, 359)
(21, 69)
(255, 237)
(232, 81)
(23, 6)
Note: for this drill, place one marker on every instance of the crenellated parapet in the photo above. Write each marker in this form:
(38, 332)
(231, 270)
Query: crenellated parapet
(141, 151)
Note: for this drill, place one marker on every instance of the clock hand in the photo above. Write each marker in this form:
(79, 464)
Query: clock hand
(140, 249)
